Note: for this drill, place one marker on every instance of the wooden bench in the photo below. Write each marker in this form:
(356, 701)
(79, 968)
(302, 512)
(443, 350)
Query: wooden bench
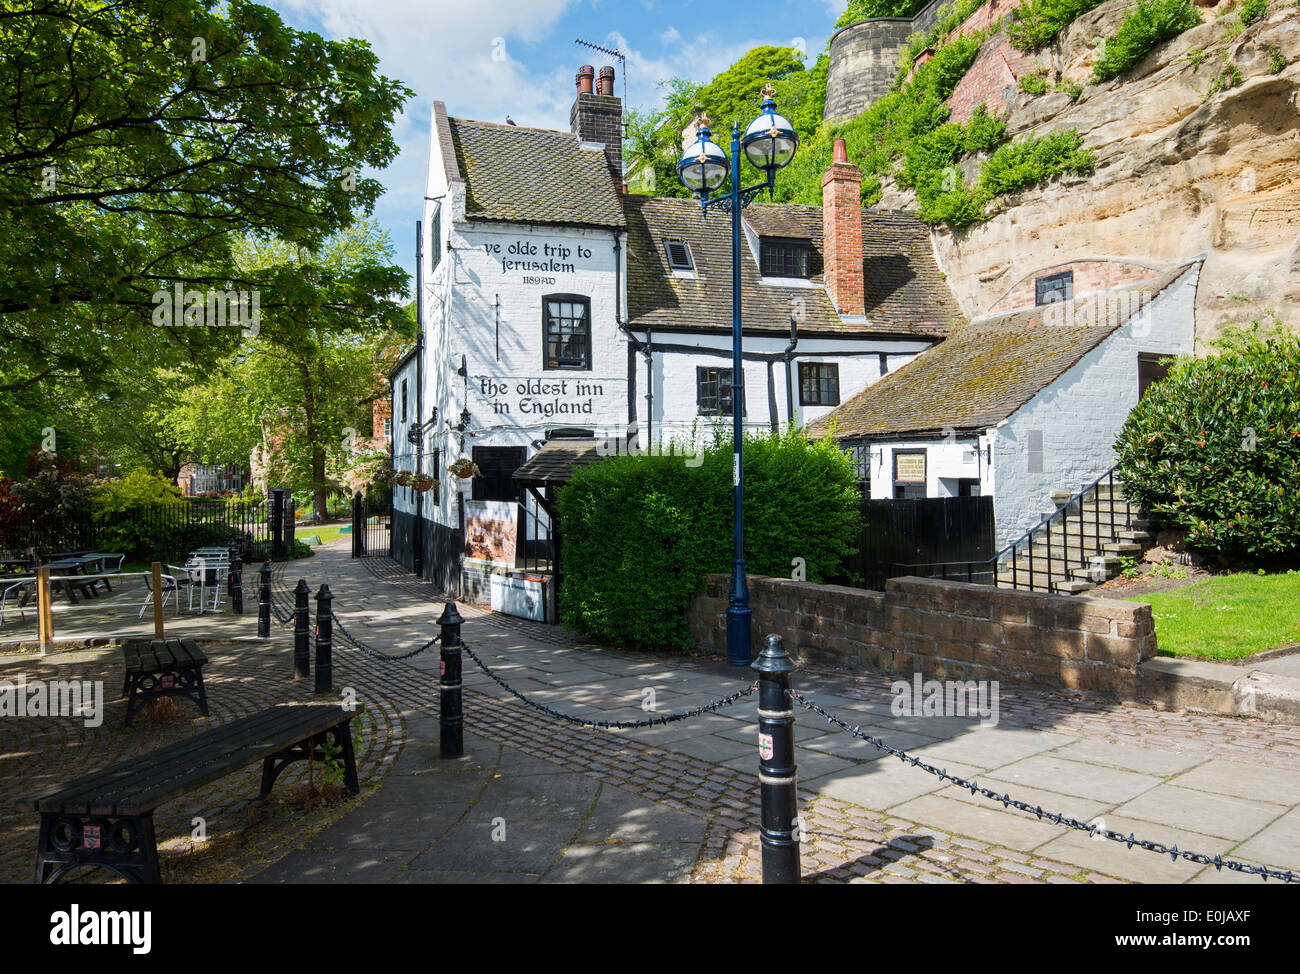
(162, 668)
(106, 818)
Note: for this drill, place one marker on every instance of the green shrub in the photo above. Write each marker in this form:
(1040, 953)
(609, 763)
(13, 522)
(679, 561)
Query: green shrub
(640, 533)
(1251, 11)
(1228, 76)
(1028, 162)
(1276, 61)
(950, 17)
(1033, 84)
(1215, 447)
(1150, 23)
(1035, 23)
(1071, 88)
(880, 135)
(123, 509)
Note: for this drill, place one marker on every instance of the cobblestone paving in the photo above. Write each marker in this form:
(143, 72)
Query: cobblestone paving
(842, 842)
(241, 678)
(706, 767)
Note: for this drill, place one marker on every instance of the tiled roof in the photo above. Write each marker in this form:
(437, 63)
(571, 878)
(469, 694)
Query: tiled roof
(987, 370)
(906, 294)
(555, 462)
(527, 175)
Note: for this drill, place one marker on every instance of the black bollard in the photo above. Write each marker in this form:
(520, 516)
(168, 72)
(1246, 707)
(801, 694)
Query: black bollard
(451, 736)
(324, 640)
(776, 768)
(301, 631)
(235, 583)
(264, 602)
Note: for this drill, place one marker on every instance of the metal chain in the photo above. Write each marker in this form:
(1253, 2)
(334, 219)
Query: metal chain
(348, 638)
(609, 724)
(1056, 818)
(374, 653)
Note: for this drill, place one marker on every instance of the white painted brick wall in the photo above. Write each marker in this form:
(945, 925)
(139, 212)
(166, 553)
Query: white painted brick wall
(1082, 411)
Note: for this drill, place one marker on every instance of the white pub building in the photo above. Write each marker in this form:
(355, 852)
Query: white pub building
(557, 311)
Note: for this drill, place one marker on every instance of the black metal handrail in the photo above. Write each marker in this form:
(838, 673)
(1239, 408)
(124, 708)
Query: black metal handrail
(993, 565)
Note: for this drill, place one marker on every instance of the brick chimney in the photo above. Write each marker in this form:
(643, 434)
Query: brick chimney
(598, 116)
(842, 233)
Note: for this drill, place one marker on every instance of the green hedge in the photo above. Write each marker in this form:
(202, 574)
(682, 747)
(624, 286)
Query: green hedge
(1215, 448)
(640, 533)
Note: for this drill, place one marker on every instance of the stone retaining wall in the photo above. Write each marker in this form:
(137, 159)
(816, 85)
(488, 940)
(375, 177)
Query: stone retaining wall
(945, 630)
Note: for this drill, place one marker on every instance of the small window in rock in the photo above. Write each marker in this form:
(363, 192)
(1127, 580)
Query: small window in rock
(1055, 287)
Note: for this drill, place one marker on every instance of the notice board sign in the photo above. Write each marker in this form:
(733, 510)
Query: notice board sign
(909, 468)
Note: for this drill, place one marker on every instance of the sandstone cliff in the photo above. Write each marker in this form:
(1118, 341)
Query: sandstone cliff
(1180, 171)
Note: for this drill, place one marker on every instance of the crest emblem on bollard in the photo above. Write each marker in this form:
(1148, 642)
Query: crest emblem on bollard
(765, 746)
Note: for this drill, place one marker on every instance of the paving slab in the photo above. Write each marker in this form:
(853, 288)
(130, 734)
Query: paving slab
(1277, 844)
(1015, 830)
(1218, 815)
(1144, 760)
(991, 747)
(881, 784)
(1243, 781)
(1083, 809)
(630, 862)
(1076, 778)
(1116, 859)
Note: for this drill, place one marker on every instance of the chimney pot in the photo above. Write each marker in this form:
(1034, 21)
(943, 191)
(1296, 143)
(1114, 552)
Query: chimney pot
(842, 233)
(596, 119)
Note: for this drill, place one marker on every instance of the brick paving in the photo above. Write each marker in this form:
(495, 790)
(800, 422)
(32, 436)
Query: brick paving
(701, 771)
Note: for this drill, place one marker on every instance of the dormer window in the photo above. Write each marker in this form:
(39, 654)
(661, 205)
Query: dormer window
(780, 257)
(679, 255)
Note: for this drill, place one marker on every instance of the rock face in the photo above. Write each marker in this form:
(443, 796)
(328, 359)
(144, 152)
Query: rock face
(1180, 171)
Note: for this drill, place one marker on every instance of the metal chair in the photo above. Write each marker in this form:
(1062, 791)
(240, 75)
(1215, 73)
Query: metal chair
(172, 580)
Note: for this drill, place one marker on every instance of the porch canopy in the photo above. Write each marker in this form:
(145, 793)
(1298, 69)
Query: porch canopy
(554, 464)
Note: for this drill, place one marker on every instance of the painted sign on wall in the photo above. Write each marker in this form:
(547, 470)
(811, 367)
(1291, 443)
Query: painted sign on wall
(490, 528)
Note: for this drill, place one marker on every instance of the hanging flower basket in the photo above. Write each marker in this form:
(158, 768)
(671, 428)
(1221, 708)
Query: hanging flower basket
(422, 482)
(402, 478)
(465, 469)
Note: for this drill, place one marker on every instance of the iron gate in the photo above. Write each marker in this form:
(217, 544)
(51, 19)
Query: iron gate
(372, 526)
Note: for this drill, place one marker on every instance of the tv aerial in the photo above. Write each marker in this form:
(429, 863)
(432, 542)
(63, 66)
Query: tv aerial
(622, 67)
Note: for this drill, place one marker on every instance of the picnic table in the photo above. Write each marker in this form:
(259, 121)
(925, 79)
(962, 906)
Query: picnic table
(105, 818)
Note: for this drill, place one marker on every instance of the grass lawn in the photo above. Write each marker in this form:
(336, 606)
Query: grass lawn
(1228, 616)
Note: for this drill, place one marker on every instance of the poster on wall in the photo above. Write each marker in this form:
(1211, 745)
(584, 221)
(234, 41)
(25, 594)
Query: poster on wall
(909, 468)
(490, 531)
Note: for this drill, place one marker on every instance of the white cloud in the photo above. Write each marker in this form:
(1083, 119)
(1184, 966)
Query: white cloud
(669, 36)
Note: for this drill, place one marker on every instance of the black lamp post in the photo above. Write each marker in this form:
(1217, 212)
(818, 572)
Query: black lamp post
(769, 143)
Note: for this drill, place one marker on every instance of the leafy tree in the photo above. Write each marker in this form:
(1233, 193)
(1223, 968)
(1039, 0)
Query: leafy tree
(303, 379)
(137, 141)
(732, 97)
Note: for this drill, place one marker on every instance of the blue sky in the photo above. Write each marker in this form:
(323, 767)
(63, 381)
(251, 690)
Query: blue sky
(491, 58)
